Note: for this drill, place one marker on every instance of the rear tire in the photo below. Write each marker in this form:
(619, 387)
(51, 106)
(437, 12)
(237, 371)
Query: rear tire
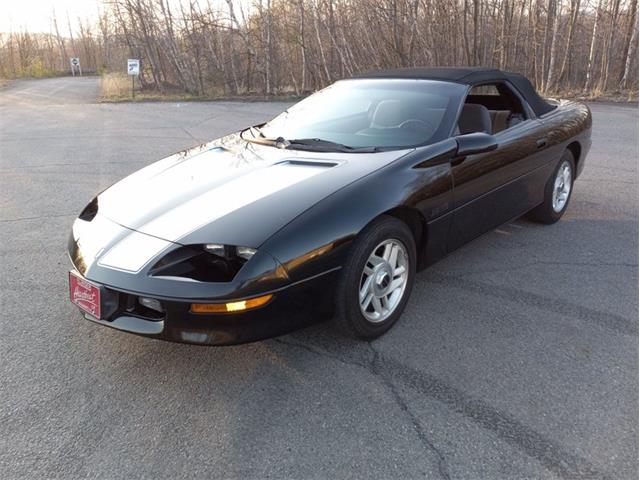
(557, 192)
(377, 280)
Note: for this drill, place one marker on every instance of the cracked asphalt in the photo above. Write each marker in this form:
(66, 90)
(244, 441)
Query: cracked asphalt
(517, 356)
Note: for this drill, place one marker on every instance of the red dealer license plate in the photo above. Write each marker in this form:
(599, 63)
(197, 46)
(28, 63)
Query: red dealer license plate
(84, 294)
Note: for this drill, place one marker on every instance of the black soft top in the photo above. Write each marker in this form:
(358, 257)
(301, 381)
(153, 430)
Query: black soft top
(470, 76)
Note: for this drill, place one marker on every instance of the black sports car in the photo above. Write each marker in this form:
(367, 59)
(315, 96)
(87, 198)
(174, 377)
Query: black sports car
(327, 210)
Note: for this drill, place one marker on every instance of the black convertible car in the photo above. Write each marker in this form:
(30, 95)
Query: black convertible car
(327, 210)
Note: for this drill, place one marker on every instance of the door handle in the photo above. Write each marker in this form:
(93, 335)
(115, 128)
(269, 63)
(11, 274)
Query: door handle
(541, 143)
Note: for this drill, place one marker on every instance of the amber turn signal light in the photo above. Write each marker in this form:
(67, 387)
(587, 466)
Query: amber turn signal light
(230, 307)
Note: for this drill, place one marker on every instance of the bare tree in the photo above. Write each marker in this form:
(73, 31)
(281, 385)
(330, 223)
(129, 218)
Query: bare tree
(551, 73)
(631, 47)
(290, 46)
(594, 34)
(60, 41)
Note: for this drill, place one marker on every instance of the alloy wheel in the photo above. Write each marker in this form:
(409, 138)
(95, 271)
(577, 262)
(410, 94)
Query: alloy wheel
(383, 280)
(562, 187)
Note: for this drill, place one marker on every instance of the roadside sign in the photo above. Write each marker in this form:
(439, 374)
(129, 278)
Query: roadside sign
(133, 66)
(133, 69)
(75, 64)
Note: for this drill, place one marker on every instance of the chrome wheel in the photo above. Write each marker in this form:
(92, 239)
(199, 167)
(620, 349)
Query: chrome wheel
(383, 280)
(562, 187)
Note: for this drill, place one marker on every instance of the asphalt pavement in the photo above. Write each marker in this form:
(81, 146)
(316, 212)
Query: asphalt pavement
(517, 356)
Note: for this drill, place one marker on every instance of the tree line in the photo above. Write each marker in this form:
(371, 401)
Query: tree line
(271, 47)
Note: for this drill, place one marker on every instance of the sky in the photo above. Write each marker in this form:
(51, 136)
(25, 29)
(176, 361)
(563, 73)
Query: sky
(35, 15)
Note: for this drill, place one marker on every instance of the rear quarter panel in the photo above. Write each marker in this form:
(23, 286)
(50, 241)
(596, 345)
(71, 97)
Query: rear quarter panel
(566, 126)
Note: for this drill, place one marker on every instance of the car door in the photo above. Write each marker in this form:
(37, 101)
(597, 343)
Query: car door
(494, 187)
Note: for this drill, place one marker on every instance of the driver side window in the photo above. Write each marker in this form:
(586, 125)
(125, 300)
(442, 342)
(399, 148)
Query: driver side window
(491, 108)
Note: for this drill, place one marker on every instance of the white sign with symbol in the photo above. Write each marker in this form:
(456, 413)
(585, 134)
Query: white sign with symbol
(133, 66)
(75, 65)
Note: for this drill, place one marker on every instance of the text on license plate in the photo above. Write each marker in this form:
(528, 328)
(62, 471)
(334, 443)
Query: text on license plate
(84, 294)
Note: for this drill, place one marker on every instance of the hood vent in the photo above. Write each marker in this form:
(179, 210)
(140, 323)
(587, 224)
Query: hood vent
(309, 163)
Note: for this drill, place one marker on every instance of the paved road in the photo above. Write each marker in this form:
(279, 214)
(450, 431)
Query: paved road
(516, 357)
(54, 91)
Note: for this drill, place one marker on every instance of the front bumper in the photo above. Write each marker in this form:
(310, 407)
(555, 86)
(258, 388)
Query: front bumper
(291, 307)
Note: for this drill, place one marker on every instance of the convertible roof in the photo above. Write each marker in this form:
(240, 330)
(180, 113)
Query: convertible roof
(469, 76)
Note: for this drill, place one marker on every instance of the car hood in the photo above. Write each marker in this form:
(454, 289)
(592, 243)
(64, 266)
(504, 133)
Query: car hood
(231, 191)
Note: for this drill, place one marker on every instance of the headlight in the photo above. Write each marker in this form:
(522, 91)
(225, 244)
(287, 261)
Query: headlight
(245, 252)
(211, 262)
(228, 251)
(216, 249)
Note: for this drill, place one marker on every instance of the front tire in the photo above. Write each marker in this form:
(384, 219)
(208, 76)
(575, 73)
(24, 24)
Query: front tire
(557, 192)
(377, 279)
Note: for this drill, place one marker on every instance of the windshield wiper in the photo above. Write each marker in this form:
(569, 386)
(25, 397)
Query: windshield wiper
(256, 132)
(259, 137)
(320, 145)
(310, 144)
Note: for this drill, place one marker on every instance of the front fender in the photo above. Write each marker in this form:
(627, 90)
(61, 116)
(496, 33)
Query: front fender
(318, 240)
(86, 249)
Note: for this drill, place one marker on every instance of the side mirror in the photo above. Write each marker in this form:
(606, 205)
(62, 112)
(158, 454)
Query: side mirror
(473, 143)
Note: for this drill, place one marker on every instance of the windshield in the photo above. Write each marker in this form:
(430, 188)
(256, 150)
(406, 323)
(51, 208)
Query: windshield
(375, 113)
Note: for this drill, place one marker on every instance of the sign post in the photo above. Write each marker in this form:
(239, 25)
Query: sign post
(75, 63)
(133, 69)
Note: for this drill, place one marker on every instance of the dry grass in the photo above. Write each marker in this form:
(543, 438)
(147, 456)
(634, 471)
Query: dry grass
(115, 86)
(620, 96)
